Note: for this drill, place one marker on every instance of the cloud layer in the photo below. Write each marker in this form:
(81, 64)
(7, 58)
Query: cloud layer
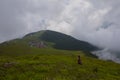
(91, 20)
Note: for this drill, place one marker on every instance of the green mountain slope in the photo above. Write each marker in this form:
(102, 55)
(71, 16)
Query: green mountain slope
(51, 39)
(54, 40)
(60, 41)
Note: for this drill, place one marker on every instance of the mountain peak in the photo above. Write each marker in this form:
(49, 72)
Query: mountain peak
(59, 40)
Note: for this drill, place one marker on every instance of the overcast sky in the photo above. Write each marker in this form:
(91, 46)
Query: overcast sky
(95, 21)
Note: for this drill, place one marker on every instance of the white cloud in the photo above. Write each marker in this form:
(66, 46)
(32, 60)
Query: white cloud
(106, 54)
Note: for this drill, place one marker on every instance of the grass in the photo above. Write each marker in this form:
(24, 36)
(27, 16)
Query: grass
(51, 64)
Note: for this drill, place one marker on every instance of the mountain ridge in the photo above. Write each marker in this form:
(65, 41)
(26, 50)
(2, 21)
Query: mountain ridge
(55, 40)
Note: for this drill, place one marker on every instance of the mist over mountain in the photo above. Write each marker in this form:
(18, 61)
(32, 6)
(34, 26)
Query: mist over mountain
(106, 54)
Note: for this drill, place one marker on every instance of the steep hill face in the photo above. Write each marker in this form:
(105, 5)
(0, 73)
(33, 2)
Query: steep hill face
(59, 40)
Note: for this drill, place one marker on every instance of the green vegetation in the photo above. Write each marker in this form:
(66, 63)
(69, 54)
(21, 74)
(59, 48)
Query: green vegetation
(20, 61)
(27, 63)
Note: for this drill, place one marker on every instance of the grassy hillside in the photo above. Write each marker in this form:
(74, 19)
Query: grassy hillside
(20, 62)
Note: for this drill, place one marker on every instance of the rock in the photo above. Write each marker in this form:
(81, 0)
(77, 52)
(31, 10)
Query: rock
(9, 64)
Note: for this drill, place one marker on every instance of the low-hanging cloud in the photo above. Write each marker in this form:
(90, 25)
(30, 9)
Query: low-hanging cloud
(95, 21)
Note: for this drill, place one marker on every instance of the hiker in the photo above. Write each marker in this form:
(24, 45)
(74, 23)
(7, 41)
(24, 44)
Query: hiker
(95, 70)
(79, 60)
